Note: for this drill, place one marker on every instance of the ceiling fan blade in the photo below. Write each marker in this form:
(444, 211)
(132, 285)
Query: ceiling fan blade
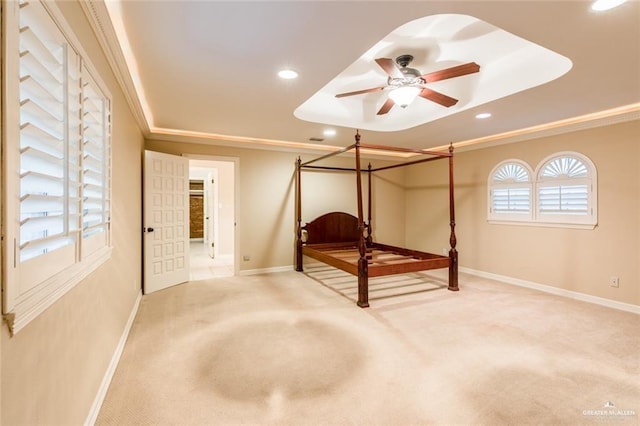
(386, 107)
(457, 71)
(438, 97)
(359, 92)
(390, 67)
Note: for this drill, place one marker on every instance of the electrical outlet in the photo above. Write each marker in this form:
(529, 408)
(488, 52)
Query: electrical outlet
(445, 252)
(614, 282)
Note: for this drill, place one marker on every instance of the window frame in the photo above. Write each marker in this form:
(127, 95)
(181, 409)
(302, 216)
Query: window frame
(492, 186)
(31, 286)
(591, 180)
(538, 218)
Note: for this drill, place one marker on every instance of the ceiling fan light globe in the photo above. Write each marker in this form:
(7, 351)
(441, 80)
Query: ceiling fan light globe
(404, 96)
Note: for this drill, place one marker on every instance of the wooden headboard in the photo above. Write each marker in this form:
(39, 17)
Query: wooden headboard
(334, 227)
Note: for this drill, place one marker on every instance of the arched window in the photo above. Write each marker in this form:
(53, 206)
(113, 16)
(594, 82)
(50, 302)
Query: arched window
(510, 189)
(562, 191)
(566, 189)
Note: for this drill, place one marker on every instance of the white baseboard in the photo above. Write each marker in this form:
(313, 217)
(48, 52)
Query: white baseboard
(266, 270)
(628, 307)
(111, 369)
(281, 268)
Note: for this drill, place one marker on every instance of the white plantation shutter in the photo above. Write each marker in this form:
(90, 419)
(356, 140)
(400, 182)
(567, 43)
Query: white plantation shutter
(563, 199)
(565, 189)
(510, 192)
(47, 109)
(511, 200)
(57, 160)
(95, 160)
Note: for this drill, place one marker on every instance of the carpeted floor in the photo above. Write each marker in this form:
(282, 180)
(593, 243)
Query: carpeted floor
(293, 349)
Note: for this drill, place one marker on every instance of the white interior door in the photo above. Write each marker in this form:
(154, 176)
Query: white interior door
(165, 221)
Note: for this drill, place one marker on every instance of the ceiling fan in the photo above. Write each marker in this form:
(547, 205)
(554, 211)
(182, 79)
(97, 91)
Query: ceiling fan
(405, 83)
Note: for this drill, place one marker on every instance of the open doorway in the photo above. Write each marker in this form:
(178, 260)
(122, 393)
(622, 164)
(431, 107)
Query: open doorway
(212, 218)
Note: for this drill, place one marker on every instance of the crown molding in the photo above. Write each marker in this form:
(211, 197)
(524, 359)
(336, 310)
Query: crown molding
(246, 142)
(598, 119)
(100, 21)
(583, 122)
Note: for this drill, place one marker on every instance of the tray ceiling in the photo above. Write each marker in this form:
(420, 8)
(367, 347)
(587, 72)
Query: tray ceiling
(208, 70)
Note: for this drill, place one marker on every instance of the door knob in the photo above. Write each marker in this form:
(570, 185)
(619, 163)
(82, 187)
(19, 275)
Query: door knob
(149, 229)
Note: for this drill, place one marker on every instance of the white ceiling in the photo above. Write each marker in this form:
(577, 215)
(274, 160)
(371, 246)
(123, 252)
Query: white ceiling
(436, 42)
(209, 67)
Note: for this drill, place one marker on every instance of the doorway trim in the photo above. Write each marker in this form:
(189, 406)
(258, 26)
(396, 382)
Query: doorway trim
(236, 200)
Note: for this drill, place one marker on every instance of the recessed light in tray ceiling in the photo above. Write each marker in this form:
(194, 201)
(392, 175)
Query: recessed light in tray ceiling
(508, 64)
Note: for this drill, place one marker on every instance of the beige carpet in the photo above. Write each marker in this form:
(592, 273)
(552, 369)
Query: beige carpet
(293, 349)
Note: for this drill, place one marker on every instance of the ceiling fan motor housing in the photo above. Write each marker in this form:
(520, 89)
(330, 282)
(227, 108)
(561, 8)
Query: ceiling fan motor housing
(404, 60)
(411, 75)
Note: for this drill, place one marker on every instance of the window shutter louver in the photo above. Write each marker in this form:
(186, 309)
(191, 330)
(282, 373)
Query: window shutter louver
(95, 162)
(44, 110)
(511, 200)
(564, 199)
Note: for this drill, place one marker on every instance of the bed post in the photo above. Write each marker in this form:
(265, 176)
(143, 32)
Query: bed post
(298, 218)
(369, 237)
(363, 268)
(453, 253)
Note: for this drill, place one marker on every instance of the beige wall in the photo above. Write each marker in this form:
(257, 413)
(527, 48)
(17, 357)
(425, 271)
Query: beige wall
(266, 216)
(410, 208)
(52, 369)
(572, 259)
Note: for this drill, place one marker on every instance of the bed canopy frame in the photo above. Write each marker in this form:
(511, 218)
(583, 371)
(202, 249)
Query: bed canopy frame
(345, 241)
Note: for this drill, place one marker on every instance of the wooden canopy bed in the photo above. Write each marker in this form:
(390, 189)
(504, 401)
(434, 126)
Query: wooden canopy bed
(345, 241)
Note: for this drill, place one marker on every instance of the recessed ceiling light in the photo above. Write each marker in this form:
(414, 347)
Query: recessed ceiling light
(483, 115)
(600, 5)
(329, 132)
(287, 74)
